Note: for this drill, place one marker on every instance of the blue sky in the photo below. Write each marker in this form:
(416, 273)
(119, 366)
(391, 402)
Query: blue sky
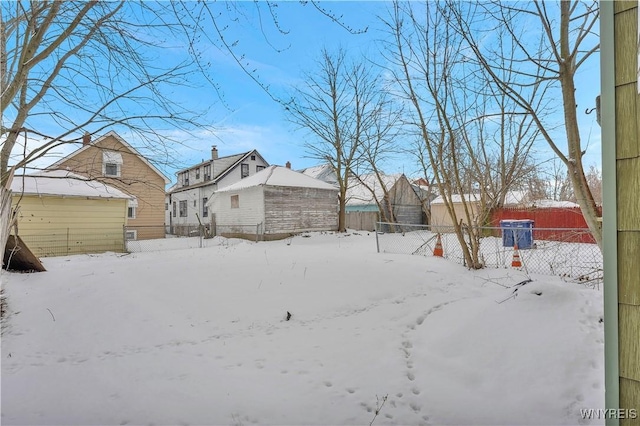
(254, 120)
(248, 118)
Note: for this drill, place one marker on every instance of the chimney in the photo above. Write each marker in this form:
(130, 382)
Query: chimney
(86, 139)
(214, 152)
(288, 165)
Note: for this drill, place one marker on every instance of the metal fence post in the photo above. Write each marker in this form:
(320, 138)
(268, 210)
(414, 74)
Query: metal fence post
(377, 241)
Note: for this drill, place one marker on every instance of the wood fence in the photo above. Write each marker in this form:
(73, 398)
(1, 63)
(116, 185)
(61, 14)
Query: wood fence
(361, 221)
(555, 224)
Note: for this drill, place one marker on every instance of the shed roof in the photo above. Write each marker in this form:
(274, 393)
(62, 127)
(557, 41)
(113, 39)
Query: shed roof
(64, 183)
(278, 176)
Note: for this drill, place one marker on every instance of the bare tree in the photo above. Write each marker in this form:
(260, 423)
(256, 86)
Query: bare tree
(75, 66)
(71, 67)
(594, 179)
(475, 142)
(340, 105)
(564, 39)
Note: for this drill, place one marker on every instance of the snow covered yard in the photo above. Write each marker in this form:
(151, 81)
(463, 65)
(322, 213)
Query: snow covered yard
(200, 336)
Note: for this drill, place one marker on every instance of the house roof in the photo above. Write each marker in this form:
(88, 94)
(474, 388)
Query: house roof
(222, 166)
(64, 183)
(278, 176)
(360, 190)
(123, 142)
(323, 172)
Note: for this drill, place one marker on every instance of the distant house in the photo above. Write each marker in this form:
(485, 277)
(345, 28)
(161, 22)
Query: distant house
(275, 203)
(61, 213)
(366, 203)
(187, 199)
(111, 160)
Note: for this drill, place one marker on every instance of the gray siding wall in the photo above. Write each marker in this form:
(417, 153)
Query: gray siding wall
(407, 206)
(294, 209)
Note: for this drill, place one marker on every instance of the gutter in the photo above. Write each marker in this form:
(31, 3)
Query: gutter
(609, 224)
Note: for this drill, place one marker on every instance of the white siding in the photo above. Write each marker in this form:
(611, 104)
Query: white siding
(193, 197)
(197, 194)
(250, 211)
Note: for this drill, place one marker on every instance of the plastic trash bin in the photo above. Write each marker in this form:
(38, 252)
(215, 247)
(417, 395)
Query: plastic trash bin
(517, 230)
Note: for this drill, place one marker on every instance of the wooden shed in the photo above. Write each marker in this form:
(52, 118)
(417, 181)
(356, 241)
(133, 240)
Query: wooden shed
(367, 194)
(275, 203)
(61, 213)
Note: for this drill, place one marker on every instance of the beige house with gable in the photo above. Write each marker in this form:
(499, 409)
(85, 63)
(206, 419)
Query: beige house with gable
(111, 160)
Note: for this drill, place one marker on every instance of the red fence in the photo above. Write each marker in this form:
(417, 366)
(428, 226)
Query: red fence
(546, 218)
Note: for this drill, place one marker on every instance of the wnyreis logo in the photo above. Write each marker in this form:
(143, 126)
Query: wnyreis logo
(609, 413)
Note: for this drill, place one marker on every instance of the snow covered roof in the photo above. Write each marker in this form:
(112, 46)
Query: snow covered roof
(546, 204)
(360, 191)
(457, 198)
(64, 183)
(324, 172)
(278, 176)
(512, 199)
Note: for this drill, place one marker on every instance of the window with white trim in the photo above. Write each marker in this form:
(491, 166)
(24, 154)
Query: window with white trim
(205, 208)
(183, 208)
(207, 172)
(111, 163)
(244, 170)
(131, 235)
(131, 212)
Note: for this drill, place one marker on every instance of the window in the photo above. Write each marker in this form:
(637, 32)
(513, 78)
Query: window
(253, 158)
(111, 169)
(131, 235)
(258, 168)
(205, 209)
(194, 203)
(183, 208)
(235, 201)
(207, 172)
(131, 212)
(198, 173)
(166, 207)
(184, 178)
(244, 170)
(111, 163)
(174, 209)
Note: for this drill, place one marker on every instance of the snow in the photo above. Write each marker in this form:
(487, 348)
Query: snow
(199, 336)
(457, 198)
(552, 204)
(359, 192)
(64, 183)
(277, 176)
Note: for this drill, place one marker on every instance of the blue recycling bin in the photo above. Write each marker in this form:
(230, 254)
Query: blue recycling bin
(518, 230)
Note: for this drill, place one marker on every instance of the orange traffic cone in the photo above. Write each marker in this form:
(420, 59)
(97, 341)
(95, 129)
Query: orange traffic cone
(516, 263)
(437, 251)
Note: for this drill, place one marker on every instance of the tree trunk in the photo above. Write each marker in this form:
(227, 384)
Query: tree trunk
(342, 217)
(5, 217)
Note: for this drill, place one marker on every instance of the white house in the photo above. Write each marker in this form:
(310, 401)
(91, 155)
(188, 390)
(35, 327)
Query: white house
(187, 199)
(275, 203)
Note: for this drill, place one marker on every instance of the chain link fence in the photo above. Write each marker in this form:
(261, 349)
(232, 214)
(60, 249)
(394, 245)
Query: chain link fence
(140, 239)
(551, 251)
